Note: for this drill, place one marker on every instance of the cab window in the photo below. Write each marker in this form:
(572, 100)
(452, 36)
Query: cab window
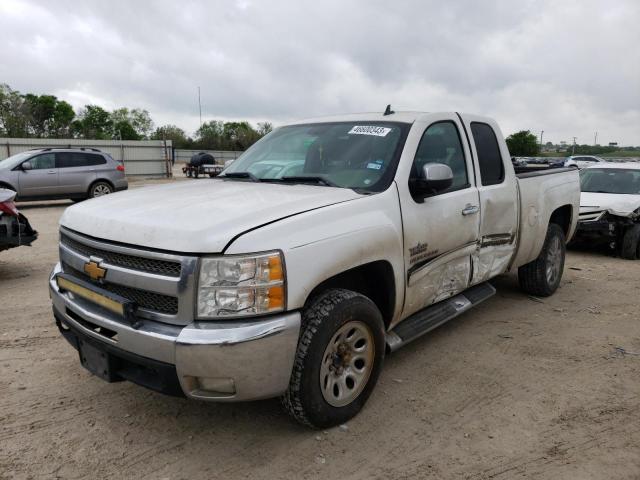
(441, 143)
(489, 157)
(41, 162)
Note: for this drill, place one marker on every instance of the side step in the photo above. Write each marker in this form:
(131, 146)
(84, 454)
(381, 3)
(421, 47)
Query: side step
(431, 317)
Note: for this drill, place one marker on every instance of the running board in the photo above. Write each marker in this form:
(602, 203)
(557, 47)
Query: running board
(431, 317)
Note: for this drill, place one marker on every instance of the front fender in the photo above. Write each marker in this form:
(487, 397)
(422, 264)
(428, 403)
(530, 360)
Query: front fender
(322, 243)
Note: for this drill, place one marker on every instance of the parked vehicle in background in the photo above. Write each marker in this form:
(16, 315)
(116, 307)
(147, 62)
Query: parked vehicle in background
(53, 173)
(202, 163)
(610, 208)
(375, 229)
(15, 229)
(582, 161)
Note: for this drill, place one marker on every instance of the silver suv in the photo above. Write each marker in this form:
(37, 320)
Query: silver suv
(51, 173)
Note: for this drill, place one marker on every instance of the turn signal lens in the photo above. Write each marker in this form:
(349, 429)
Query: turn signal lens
(276, 298)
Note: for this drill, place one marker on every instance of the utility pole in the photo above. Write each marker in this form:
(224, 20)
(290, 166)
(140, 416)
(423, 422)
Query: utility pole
(595, 139)
(573, 147)
(541, 133)
(200, 107)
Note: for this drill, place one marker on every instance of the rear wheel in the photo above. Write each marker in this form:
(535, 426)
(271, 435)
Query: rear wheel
(338, 361)
(630, 248)
(99, 189)
(542, 276)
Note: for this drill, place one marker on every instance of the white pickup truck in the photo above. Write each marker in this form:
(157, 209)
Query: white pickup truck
(327, 244)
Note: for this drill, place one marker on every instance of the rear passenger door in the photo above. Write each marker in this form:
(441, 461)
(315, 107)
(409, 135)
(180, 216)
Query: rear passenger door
(498, 191)
(77, 170)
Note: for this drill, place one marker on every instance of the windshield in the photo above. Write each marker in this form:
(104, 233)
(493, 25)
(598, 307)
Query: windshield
(358, 155)
(610, 180)
(14, 160)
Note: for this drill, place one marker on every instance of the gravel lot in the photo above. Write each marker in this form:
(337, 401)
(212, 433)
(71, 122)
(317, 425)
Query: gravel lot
(518, 387)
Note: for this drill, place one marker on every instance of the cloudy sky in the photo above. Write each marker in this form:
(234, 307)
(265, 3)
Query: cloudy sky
(570, 68)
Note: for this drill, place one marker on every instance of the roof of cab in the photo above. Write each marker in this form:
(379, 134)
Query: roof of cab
(403, 117)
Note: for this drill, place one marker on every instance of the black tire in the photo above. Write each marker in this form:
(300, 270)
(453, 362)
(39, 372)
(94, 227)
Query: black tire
(196, 173)
(630, 248)
(98, 189)
(188, 173)
(535, 277)
(321, 320)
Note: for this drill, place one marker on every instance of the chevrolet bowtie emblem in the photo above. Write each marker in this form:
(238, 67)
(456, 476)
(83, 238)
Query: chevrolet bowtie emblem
(94, 270)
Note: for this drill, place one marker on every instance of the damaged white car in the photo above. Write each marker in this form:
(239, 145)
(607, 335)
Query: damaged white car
(610, 208)
(375, 229)
(15, 229)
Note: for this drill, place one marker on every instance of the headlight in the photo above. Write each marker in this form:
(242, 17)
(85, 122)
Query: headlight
(241, 285)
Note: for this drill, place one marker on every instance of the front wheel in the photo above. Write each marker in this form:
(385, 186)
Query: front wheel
(542, 276)
(630, 248)
(338, 361)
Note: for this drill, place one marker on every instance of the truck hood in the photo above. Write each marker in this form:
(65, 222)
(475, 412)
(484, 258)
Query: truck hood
(200, 216)
(615, 204)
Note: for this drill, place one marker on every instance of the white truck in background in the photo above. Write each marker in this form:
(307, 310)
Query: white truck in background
(296, 284)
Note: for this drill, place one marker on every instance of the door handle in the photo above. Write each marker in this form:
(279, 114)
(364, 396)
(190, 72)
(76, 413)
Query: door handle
(51, 171)
(470, 209)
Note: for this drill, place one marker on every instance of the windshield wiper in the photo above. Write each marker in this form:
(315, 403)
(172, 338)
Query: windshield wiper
(248, 175)
(308, 179)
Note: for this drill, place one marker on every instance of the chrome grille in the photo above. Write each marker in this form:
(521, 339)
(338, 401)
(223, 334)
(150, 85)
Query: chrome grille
(156, 302)
(149, 265)
(591, 216)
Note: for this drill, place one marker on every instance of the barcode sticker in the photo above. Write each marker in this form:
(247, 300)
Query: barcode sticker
(369, 130)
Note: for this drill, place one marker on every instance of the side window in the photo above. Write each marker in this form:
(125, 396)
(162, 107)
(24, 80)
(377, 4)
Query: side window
(73, 159)
(66, 160)
(41, 162)
(489, 158)
(93, 159)
(441, 143)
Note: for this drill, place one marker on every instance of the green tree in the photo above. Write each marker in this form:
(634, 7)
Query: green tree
(137, 118)
(13, 119)
(63, 116)
(210, 135)
(177, 136)
(123, 130)
(264, 128)
(523, 144)
(93, 122)
(46, 116)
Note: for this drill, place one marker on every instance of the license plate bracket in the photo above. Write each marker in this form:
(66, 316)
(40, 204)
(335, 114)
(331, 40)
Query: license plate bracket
(96, 361)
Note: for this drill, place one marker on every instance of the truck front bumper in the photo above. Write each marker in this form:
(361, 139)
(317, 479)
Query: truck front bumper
(220, 361)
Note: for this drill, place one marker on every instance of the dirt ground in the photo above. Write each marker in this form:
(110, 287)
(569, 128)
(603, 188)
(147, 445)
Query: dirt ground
(517, 388)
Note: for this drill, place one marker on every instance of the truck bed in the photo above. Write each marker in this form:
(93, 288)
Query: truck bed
(529, 171)
(542, 192)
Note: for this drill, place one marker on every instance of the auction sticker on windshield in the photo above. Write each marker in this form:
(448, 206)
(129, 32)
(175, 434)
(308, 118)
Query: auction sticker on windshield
(369, 130)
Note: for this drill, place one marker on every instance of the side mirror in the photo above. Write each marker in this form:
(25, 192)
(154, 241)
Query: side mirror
(435, 178)
(26, 166)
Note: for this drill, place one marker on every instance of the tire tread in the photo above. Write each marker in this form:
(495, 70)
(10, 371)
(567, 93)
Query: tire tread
(312, 319)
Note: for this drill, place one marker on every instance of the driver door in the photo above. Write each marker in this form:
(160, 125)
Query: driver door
(42, 179)
(441, 230)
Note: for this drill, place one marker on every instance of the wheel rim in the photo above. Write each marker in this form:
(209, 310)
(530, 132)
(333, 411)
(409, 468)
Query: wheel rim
(347, 363)
(101, 189)
(554, 260)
